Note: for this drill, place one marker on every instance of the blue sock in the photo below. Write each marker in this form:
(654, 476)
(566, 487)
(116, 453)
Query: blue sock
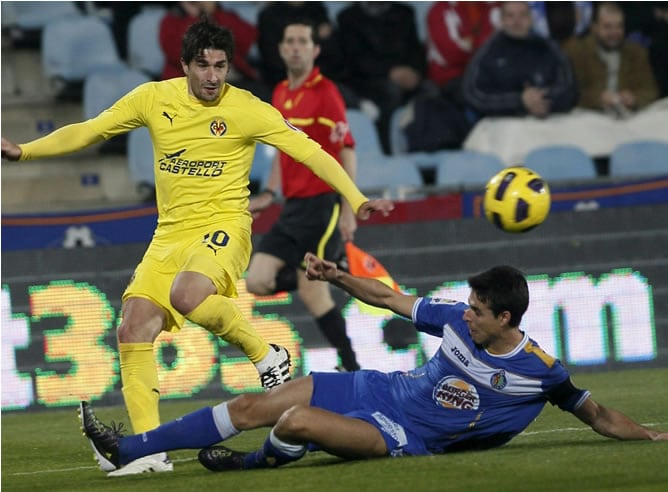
(193, 431)
(274, 453)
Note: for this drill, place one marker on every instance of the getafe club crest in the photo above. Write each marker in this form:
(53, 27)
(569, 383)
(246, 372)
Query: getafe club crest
(499, 380)
(218, 128)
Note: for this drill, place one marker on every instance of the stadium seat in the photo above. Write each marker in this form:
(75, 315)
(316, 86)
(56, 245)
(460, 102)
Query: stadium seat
(140, 157)
(262, 162)
(465, 167)
(394, 175)
(144, 51)
(561, 162)
(421, 11)
(333, 9)
(35, 15)
(74, 47)
(104, 86)
(641, 158)
(367, 143)
(248, 11)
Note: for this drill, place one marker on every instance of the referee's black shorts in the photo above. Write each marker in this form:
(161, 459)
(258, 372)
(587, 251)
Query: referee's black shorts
(305, 224)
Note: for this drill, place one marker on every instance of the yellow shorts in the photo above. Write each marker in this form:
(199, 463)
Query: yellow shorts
(221, 251)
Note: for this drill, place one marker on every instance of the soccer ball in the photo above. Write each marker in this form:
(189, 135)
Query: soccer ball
(516, 200)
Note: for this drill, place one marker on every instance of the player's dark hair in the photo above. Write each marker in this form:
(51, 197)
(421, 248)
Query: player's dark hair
(204, 35)
(502, 288)
(303, 21)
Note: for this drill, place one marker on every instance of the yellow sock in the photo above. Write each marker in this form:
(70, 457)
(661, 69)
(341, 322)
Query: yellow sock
(222, 317)
(141, 389)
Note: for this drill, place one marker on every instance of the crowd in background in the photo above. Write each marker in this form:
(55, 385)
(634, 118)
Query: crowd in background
(460, 62)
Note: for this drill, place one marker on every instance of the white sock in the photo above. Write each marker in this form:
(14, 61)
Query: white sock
(221, 417)
(268, 361)
(292, 450)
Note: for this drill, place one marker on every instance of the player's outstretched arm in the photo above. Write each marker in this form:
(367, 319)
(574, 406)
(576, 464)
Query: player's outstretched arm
(368, 290)
(613, 423)
(329, 170)
(10, 150)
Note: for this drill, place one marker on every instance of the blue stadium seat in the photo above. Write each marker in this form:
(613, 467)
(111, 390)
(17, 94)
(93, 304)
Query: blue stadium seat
(103, 87)
(248, 11)
(392, 174)
(333, 9)
(465, 167)
(262, 162)
(367, 143)
(35, 15)
(140, 156)
(641, 158)
(421, 11)
(73, 47)
(561, 162)
(144, 51)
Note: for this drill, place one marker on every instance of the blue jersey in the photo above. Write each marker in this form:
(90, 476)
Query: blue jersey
(462, 398)
(466, 398)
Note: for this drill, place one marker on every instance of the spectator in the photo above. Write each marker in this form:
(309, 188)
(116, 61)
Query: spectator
(647, 23)
(561, 21)
(517, 72)
(174, 25)
(384, 57)
(454, 31)
(273, 18)
(613, 74)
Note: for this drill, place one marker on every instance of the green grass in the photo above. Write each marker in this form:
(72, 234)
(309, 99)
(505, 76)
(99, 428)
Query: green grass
(45, 451)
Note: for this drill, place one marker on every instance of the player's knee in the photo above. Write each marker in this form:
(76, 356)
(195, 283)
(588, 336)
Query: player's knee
(133, 331)
(245, 409)
(294, 423)
(184, 301)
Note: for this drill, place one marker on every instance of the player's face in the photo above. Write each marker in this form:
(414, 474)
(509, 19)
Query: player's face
(484, 327)
(297, 48)
(206, 74)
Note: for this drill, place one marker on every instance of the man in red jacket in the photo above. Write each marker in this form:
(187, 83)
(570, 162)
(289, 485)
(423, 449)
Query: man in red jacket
(312, 209)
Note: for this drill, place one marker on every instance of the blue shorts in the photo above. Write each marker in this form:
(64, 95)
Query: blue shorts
(366, 395)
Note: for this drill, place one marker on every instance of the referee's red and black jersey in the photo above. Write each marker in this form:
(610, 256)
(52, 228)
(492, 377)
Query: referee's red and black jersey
(317, 108)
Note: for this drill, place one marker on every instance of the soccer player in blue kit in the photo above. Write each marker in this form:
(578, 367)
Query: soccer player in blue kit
(486, 384)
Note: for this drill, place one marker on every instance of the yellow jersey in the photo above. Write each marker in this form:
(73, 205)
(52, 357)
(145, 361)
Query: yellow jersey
(203, 151)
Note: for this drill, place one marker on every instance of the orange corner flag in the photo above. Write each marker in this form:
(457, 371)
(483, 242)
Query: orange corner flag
(362, 264)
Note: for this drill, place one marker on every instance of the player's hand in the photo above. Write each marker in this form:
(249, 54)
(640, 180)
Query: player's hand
(661, 436)
(319, 269)
(381, 205)
(10, 150)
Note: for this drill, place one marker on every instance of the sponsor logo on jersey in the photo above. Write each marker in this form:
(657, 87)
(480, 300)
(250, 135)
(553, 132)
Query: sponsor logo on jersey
(452, 392)
(460, 356)
(499, 380)
(218, 128)
(174, 164)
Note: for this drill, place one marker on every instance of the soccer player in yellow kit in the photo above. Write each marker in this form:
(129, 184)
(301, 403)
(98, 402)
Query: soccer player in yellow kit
(204, 133)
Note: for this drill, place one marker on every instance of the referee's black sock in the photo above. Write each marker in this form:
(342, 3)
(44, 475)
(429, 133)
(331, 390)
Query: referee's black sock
(333, 326)
(286, 279)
